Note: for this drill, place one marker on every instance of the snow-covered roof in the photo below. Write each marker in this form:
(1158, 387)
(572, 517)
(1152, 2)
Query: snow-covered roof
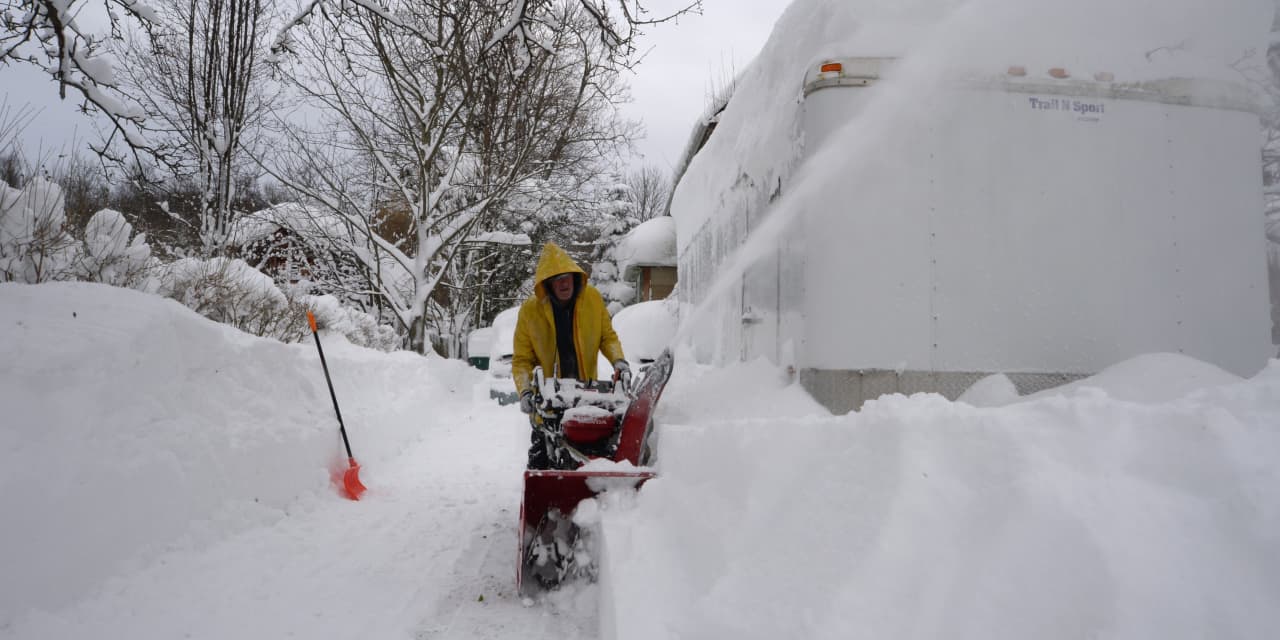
(306, 221)
(651, 244)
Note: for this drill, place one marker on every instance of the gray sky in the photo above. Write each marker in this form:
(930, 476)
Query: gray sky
(688, 59)
(670, 86)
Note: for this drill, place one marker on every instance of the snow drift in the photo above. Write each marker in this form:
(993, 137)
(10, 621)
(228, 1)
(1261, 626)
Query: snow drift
(1140, 503)
(163, 476)
(130, 422)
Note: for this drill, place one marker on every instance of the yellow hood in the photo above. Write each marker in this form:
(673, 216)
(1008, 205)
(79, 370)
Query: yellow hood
(554, 261)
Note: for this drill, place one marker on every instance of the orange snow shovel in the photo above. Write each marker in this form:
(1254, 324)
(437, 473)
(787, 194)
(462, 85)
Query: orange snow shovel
(351, 479)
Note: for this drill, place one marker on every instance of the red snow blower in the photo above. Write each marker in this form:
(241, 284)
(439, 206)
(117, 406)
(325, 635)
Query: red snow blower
(581, 422)
(351, 486)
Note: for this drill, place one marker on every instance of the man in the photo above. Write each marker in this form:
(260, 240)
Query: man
(560, 328)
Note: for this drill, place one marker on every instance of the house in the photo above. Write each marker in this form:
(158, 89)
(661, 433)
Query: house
(285, 240)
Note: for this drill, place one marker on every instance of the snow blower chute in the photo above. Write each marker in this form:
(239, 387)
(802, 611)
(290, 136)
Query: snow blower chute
(581, 422)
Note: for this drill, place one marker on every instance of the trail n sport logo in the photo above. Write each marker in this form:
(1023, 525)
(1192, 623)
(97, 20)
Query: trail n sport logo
(1086, 110)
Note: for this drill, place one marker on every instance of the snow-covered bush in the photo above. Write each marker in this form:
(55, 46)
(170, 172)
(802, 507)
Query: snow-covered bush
(229, 291)
(33, 245)
(109, 256)
(359, 327)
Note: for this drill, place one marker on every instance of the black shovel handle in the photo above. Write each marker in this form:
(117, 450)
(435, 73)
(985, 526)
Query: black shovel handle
(341, 427)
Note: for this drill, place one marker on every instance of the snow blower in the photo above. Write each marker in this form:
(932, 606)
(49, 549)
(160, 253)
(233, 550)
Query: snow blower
(351, 486)
(581, 422)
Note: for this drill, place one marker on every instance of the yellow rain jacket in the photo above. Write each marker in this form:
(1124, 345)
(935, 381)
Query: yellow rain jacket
(535, 340)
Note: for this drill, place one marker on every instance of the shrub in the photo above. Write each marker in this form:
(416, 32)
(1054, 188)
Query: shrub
(229, 291)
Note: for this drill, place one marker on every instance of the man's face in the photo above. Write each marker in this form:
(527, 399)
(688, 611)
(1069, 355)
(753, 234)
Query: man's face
(562, 286)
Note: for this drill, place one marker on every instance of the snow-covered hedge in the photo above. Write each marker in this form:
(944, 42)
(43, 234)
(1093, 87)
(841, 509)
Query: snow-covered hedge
(33, 245)
(109, 256)
(228, 290)
(360, 328)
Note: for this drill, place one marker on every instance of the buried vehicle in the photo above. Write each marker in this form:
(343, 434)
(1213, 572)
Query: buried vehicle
(588, 425)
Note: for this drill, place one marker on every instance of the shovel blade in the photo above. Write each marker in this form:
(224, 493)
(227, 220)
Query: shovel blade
(351, 486)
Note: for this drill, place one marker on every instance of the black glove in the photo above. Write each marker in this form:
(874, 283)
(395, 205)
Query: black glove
(526, 401)
(622, 372)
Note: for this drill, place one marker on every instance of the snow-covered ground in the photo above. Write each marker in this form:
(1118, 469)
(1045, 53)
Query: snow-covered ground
(163, 477)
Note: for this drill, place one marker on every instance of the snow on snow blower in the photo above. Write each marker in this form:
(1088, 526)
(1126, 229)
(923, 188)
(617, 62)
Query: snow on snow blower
(582, 421)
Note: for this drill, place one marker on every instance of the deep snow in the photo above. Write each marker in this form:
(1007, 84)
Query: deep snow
(164, 476)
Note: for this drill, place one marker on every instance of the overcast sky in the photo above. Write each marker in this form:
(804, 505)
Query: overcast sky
(670, 86)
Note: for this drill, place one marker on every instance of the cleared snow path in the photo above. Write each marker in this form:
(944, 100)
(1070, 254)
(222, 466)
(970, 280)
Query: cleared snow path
(429, 553)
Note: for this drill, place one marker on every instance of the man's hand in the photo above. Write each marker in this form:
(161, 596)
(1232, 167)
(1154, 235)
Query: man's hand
(622, 372)
(526, 401)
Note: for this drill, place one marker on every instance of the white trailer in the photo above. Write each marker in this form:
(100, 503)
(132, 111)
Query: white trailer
(1040, 225)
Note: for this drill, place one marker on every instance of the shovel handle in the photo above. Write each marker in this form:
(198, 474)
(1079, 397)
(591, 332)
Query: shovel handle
(329, 381)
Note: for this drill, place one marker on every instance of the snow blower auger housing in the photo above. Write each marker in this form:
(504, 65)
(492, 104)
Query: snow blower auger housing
(581, 422)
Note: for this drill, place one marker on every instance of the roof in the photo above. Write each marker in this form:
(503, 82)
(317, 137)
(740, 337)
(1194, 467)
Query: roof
(651, 244)
(305, 221)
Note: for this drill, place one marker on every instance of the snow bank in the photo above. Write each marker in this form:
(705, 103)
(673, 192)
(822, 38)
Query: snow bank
(131, 424)
(1141, 503)
(646, 328)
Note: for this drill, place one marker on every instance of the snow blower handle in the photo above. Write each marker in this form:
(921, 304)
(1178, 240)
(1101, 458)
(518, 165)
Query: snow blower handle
(351, 479)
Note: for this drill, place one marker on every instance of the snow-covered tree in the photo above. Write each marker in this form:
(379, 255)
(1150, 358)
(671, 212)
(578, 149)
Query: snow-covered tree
(435, 114)
(199, 77)
(1271, 170)
(619, 212)
(50, 35)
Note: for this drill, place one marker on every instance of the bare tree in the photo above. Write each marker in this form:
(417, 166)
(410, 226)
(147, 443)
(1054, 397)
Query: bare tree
(436, 118)
(616, 24)
(650, 191)
(84, 185)
(200, 79)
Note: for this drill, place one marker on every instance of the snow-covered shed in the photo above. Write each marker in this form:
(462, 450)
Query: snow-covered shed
(909, 200)
(646, 257)
(281, 240)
